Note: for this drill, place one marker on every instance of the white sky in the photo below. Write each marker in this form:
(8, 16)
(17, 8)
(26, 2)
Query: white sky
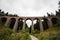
(29, 7)
(29, 22)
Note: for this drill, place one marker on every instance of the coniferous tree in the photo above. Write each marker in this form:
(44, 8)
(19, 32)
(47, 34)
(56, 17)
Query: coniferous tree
(48, 14)
(58, 12)
(6, 14)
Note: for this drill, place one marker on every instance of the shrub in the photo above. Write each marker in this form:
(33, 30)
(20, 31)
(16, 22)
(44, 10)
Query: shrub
(44, 36)
(8, 34)
(50, 34)
(5, 34)
(14, 36)
(24, 35)
(35, 32)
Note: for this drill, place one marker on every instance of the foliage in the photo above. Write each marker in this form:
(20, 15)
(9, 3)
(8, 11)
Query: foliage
(36, 26)
(50, 31)
(48, 14)
(8, 34)
(5, 34)
(36, 31)
(25, 35)
(50, 34)
(57, 25)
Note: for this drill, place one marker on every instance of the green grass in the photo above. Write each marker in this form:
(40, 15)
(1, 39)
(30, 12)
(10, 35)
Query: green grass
(8, 34)
(52, 33)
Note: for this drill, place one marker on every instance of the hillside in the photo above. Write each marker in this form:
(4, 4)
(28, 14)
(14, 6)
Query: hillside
(8, 34)
(52, 33)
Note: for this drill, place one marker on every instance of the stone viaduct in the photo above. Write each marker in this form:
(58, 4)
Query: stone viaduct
(7, 23)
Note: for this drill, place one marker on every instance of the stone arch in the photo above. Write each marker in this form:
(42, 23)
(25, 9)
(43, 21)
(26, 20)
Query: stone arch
(12, 22)
(54, 20)
(3, 20)
(28, 19)
(26, 25)
(45, 23)
(20, 24)
(37, 24)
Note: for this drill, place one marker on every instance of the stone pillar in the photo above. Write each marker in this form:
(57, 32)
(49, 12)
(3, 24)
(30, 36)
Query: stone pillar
(49, 22)
(41, 26)
(32, 25)
(24, 21)
(15, 25)
(7, 22)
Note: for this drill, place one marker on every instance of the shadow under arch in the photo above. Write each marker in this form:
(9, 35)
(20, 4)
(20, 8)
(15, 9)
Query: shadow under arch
(55, 21)
(3, 20)
(12, 22)
(20, 24)
(45, 23)
(37, 24)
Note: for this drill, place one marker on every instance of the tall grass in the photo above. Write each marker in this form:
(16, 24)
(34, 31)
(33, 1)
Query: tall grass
(52, 33)
(8, 34)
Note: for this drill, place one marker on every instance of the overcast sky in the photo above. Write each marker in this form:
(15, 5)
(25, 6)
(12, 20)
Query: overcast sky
(29, 7)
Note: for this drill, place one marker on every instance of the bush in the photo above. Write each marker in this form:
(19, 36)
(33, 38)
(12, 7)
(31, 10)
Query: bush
(57, 25)
(35, 32)
(48, 37)
(14, 36)
(24, 35)
(8, 34)
(50, 34)
(5, 34)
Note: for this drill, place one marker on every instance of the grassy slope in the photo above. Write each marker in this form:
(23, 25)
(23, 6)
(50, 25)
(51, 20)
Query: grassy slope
(49, 34)
(8, 34)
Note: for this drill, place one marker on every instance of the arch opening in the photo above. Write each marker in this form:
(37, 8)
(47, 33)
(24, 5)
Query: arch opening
(54, 21)
(12, 22)
(20, 24)
(45, 23)
(36, 25)
(3, 20)
(28, 25)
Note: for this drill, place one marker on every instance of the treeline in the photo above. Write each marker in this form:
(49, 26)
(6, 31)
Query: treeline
(6, 14)
(48, 14)
(57, 13)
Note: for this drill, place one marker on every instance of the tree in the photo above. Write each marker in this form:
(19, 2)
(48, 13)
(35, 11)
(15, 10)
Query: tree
(6, 14)
(36, 26)
(48, 14)
(58, 13)
(52, 14)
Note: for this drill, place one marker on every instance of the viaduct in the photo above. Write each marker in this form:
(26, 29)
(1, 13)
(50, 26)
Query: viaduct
(24, 19)
(7, 20)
